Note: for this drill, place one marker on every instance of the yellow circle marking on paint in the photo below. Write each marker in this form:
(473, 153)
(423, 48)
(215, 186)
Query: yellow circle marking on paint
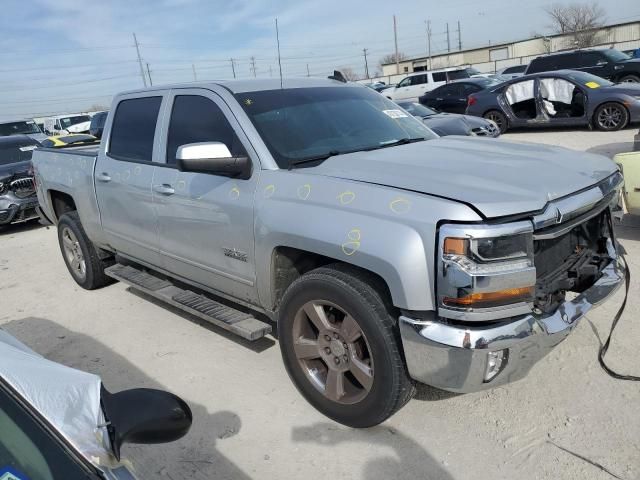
(353, 245)
(269, 190)
(181, 185)
(304, 191)
(137, 170)
(347, 197)
(234, 193)
(400, 205)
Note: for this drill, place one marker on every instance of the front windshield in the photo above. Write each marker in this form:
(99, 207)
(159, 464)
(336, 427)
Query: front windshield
(302, 123)
(615, 55)
(417, 109)
(587, 79)
(18, 128)
(67, 122)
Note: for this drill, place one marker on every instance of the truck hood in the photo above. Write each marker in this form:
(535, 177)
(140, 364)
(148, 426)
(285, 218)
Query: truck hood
(496, 177)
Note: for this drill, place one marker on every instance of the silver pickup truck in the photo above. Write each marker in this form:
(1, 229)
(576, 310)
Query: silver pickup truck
(385, 255)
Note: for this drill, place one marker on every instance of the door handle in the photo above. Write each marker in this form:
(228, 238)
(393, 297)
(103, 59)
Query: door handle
(103, 177)
(164, 189)
(439, 99)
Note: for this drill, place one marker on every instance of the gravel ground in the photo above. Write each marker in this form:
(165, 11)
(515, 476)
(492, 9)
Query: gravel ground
(250, 422)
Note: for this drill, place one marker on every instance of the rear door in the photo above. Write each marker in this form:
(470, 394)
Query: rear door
(205, 221)
(124, 175)
(453, 98)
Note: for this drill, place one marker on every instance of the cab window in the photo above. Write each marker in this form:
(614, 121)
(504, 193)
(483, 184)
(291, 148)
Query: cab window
(439, 76)
(405, 83)
(134, 128)
(419, 80)
(196, 119)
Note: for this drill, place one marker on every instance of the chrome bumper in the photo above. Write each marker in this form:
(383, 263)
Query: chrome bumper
(455, 358)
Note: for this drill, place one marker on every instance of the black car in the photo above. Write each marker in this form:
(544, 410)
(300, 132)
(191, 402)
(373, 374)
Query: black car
(97, 124)
(450, 123)
(604, 62)
(18, 200)
(563, 98)
(452, 97)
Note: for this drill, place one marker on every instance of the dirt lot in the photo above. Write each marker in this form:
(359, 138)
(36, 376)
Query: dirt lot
(250, 422)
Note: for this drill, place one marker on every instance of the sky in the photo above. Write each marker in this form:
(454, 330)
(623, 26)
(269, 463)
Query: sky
(62, 56)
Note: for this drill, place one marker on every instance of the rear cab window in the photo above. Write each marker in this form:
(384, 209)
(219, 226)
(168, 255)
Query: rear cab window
(133, 129)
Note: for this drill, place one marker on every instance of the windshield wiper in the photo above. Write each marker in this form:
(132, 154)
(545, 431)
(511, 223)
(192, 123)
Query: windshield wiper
(316, 158)
(395, 143)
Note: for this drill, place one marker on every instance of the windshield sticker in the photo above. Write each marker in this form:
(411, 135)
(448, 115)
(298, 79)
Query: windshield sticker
(395, 113)
(592, 84)
(28, 148)
(8, 473)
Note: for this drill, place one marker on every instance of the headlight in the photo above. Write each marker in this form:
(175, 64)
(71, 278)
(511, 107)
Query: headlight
(486, 272)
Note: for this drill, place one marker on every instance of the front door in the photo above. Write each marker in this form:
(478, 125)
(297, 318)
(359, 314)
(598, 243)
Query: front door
(562, 102)
(124, 174)
(205, 221)
(453, 98)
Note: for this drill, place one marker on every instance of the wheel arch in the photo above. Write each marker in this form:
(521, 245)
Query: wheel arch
(61, 203)
(288, 264)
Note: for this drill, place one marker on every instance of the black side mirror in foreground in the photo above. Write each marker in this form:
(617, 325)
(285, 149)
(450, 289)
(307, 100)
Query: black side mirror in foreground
(144, 415)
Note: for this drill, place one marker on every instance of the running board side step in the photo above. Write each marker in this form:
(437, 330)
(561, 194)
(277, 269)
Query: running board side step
(235, 321)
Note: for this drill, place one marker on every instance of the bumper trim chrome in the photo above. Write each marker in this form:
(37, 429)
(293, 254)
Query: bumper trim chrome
(454, 358)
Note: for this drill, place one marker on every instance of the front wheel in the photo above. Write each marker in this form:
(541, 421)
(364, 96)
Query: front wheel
(499, 119)
(611, 116)
(340, 346)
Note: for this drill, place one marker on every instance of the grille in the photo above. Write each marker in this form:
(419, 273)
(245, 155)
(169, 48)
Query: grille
(23, 187)
(570, 262)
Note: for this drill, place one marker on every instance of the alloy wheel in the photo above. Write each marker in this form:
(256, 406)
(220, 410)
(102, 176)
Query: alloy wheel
(333, 352)
(610, 117)
(73, 253)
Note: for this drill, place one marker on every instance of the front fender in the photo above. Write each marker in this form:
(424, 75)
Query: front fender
(384, 230)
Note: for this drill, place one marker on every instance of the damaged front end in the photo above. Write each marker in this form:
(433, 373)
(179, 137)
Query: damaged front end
(18, 199)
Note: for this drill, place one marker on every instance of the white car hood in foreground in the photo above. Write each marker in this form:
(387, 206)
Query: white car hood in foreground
(69, 399)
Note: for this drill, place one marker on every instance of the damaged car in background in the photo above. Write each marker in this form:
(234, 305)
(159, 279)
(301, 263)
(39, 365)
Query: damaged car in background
(60, 423)
(561, 98)
(18, 199)
(450, 123)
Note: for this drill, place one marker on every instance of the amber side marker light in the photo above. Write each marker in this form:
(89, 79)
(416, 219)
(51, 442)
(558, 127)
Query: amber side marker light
(492, 299)
(455, 246)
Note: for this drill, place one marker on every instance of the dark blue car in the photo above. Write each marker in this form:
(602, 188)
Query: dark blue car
(559, 98)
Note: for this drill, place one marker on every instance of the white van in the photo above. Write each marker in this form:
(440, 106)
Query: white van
(65, 124)
(417, 84)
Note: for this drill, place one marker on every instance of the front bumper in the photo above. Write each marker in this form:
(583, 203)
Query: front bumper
(14, 210)
(455, 358)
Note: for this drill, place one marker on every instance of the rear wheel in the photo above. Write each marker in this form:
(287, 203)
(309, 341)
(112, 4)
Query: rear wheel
(610, 116)
(498, 118)
(630, 79)
(80, 255)
(340, 345)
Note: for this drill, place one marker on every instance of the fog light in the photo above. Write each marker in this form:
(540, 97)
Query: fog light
(496, 361)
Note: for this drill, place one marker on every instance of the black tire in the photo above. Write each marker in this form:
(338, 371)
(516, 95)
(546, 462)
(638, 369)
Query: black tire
(361, 296)
(94, 277)
(631, 78)
(499, 119)
(610, 116)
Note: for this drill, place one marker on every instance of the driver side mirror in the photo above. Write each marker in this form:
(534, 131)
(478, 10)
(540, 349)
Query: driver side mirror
(144, 415)
(212, 157)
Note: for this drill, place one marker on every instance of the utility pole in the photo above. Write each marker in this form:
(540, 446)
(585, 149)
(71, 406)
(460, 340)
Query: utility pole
(233, 67)
(366, 65)
(448, 41)
(135, 41)
(459, 37)
(308, 74)
(395, 38)
(278, 41)
(428, 25)
(195, 77)
(253, 66)
(149, 73)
